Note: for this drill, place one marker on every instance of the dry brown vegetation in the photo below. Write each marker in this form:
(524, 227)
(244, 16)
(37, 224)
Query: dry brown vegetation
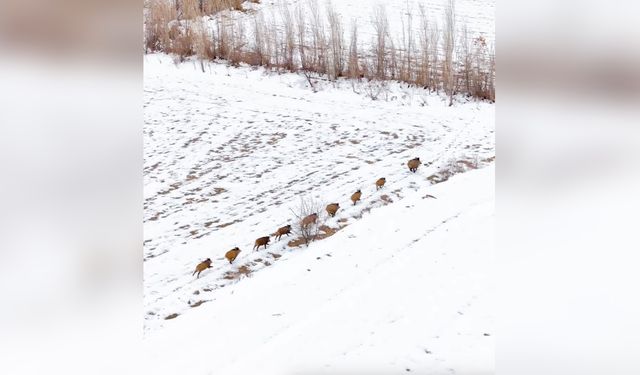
(442, 58)
(306, 231)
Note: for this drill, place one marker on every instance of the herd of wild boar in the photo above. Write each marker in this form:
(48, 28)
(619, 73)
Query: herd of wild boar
(331, 208)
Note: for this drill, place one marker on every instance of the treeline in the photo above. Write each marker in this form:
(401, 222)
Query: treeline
(438, 56)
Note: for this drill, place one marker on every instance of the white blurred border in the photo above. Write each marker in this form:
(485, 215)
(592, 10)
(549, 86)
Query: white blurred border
(568, 116)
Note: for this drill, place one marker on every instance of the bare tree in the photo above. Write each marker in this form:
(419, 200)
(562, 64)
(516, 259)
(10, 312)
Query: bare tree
(406, 65)
(288, 44)
(466, 54)
(381, 27)
(259, 48)
(302, 37)
(318, 38)
(307, 231)
(426, 41)
(449, 47)
(311, 38)
(354, 63)
(336, 42)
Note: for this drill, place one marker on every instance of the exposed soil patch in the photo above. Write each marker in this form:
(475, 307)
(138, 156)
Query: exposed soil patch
(152, 168)
(171, 188)
(227, 224)
(171, 316)
(242, 270)
(208, 223)
(275, 138)
(218, 191)
(156, 216)
(296, 242)
(196, 304)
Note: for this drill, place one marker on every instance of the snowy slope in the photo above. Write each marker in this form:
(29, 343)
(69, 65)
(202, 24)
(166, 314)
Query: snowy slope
(229, 152)
(478, 15)
(405, 289)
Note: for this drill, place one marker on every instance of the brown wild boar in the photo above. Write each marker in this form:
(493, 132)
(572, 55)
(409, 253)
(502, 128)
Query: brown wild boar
(202, 266)
(355, 197)
(413, 164)
(380, 183)
(232, 254)
(282, 231)
(311, 219)
(262, 241)
(332, 209)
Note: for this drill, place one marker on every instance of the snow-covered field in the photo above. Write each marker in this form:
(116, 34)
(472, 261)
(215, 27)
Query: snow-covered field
(229, 152)
(477, 15)
(407, 288)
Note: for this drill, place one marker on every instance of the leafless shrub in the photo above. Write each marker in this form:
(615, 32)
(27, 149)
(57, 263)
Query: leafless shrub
(203, 43)
(157, 19)
(374, 89)
(260, 48)
(237, 44)
(307, 232)
(450, 168)
(222, 38)
(312, 82)
(189, 9)
(182, 40)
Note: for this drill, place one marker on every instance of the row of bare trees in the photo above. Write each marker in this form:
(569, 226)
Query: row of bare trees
(438, 57)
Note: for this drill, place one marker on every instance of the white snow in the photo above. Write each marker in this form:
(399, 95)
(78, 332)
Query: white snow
(405, 289)
(477, 15)
(229, 152)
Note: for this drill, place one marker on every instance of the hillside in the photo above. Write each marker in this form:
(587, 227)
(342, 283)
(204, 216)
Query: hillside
(230, 152)
(407, 288)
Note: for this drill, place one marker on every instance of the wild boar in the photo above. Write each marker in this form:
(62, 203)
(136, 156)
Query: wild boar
(202, 266)
(355, 197)
(332, 209)
(282, 231)
(262, 241)
(311, 219)
(413, 164)
(232, 254)
(380, 183)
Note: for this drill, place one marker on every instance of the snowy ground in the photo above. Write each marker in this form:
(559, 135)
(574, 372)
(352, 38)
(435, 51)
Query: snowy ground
(477, 15)
(405, 289)
(229, 152)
